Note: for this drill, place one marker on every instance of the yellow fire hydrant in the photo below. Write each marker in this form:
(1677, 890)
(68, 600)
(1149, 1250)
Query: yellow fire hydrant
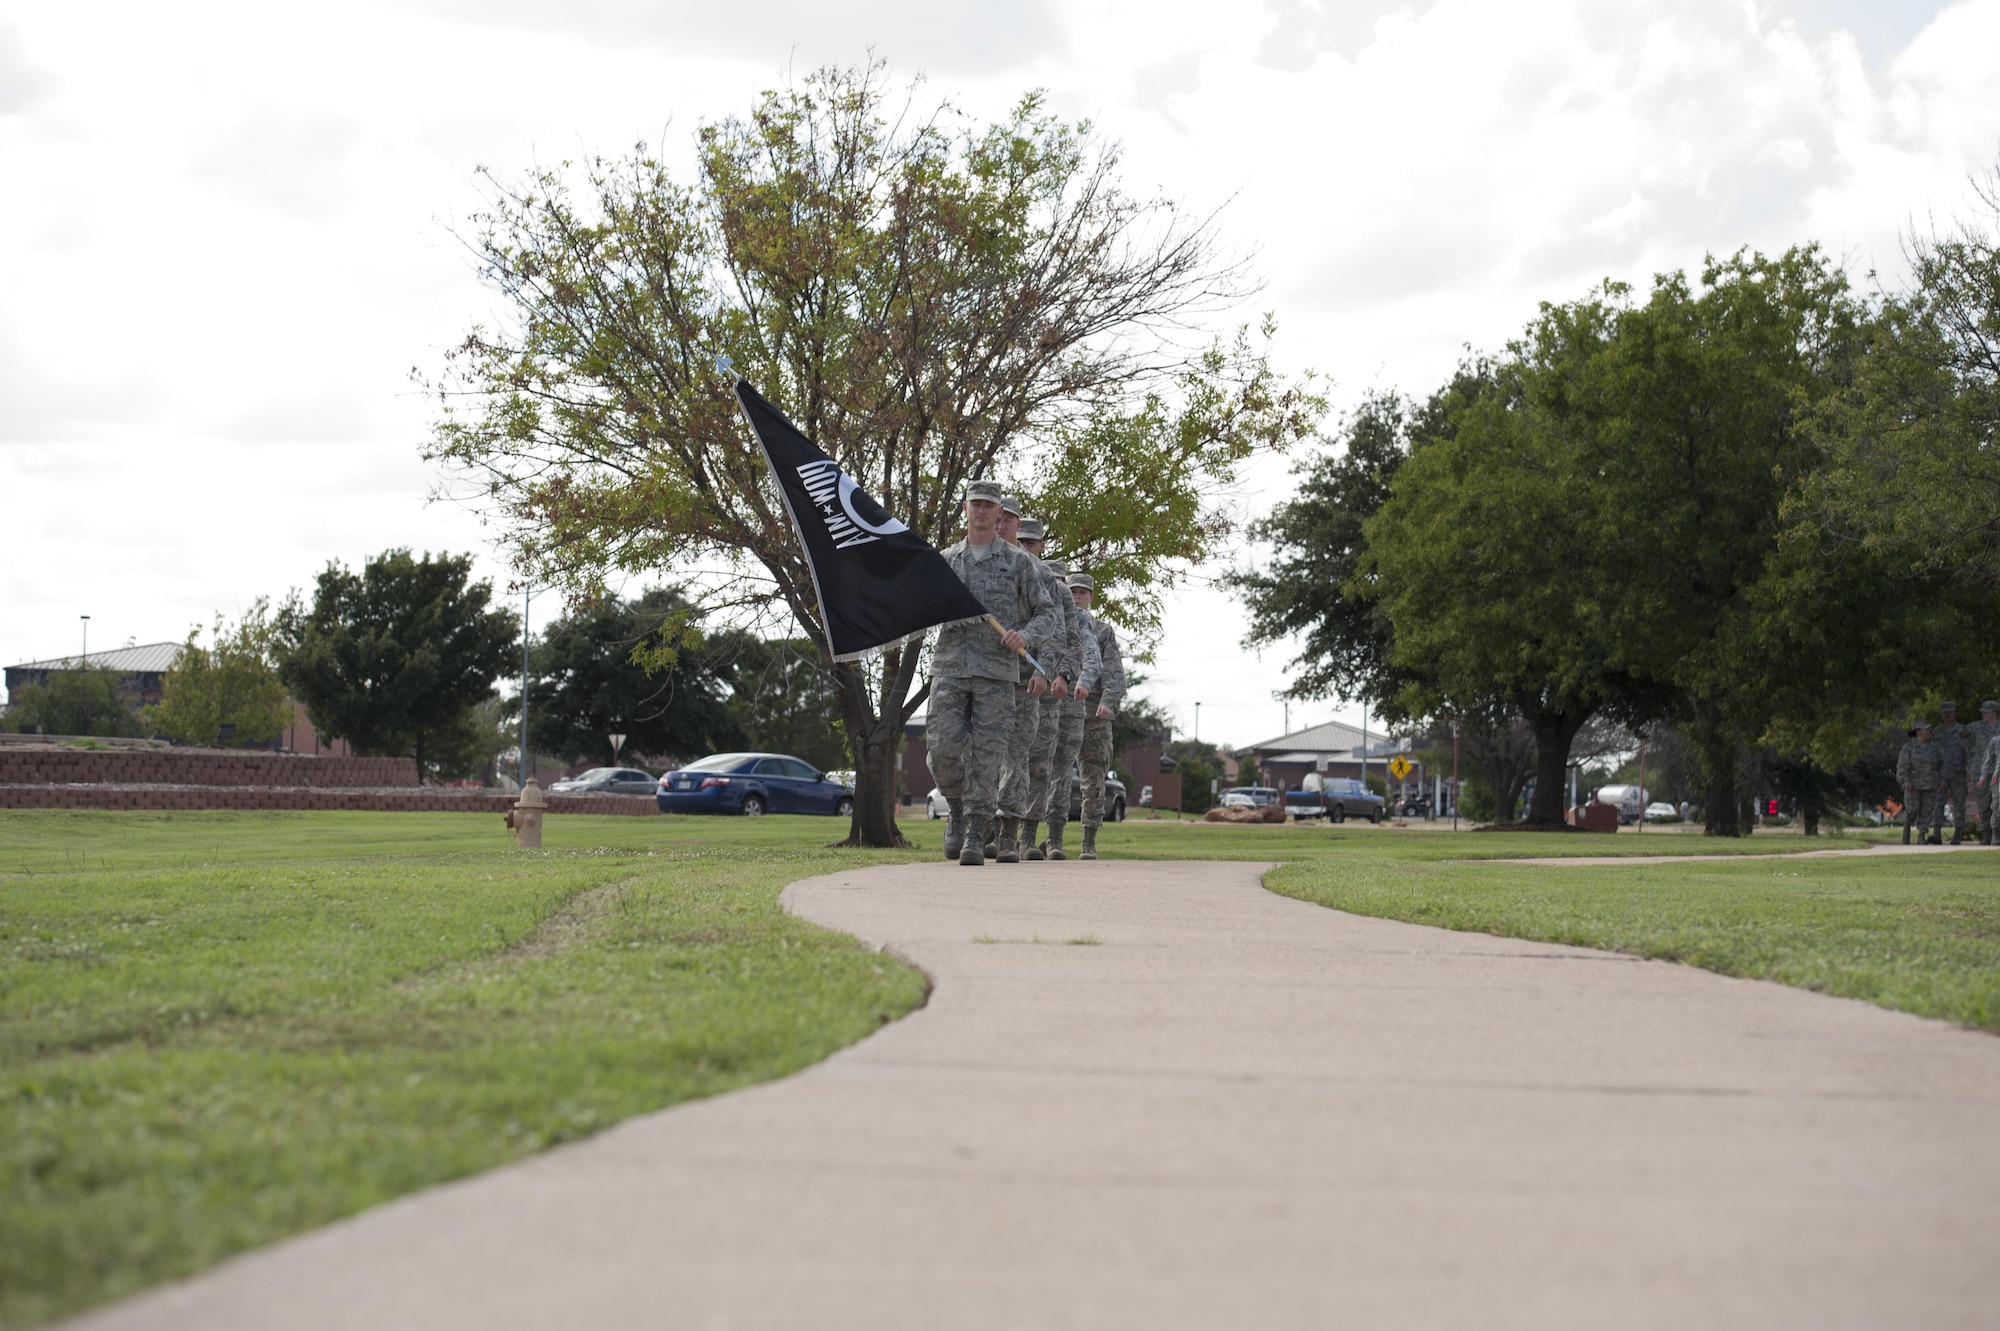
(526, 819)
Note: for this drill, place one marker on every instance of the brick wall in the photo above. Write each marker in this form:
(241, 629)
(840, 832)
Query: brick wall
(243, 797)
(199, 767)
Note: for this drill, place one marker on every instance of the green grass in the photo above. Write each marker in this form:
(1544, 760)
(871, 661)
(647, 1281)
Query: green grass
(217, 1029)
(1917, 933)
(220, 1028)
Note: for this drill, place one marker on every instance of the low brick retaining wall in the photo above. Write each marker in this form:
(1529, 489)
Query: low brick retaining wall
(201, 767)
(390, 799)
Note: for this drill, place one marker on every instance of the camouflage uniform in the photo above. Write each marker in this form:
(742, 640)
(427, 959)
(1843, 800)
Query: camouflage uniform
(1919, 773)
(1954, 755)
(973, 675)
(1097, 729)
(1068, 662)
(1980, 736)
(1016, 780)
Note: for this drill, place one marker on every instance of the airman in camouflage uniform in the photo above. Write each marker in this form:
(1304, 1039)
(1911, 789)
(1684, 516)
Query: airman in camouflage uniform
(1954, 756)
(1069, 735)
(974, 671)
(1016, 775)
(1920, 773)
(1080, 664)
(1110, 692)
(1983, 732)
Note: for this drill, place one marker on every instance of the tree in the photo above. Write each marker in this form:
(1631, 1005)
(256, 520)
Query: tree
(1692, 408)
(393, 658)
(783, 699)
(585, 685)
(1319, 538)
(929, 300)
(1199, 773)
(233, 684)
(74, 702)
(1485, 559)
(1911, 467)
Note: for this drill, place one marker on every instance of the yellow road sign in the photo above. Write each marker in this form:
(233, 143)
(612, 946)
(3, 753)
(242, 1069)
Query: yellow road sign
(1399, 767)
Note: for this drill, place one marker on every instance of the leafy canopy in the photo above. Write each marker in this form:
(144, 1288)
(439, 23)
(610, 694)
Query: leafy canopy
(232, 684)
(393, 658)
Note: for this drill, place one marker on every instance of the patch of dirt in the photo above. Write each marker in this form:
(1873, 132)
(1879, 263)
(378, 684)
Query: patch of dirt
(564, 927)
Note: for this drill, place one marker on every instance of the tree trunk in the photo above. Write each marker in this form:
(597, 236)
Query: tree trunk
(1720, 814)
(872, 741)
(1554, 730)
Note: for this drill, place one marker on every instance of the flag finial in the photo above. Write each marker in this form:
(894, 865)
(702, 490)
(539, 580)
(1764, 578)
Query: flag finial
(724, 365)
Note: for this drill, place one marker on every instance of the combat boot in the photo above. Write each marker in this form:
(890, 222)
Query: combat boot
(1089, 851)
(1957, 835)
(975, 838)
(1985, 835)
(1935, 838)
(1906, 834)
(1010, 842)
(1029, 850)
(954, 833)
(1055, 840)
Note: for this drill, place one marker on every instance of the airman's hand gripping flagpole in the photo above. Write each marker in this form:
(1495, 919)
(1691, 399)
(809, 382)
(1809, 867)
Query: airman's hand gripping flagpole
(878, 583)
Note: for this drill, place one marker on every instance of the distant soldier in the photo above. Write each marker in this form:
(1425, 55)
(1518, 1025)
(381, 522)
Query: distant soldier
(1079, 657)
(1919, 773)
(1954, 756)
(1983, 733)
(974, 672)
(1068, 746)
(1110, 692)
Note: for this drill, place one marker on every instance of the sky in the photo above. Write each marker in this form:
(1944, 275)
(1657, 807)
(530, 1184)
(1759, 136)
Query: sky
(228, 232)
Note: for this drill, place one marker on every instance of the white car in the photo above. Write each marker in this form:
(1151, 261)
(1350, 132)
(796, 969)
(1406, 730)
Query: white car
(1657, 811)
(936, 804)
(1237, 799)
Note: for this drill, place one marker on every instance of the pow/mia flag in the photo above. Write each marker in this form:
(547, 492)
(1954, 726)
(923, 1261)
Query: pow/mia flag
(877, 581)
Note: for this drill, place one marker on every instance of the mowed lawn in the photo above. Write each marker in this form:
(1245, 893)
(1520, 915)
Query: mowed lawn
(217, 1029)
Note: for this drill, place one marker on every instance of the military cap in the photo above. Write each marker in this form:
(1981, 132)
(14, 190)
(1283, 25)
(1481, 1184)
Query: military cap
(1083, 580)
(1989, 706)
(1011, 504)
(1032, 529)
(1947, 707)
(986, 490)
(1921, 725)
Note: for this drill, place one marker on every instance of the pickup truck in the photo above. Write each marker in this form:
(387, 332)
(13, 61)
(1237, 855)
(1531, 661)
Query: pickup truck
(1340, 798)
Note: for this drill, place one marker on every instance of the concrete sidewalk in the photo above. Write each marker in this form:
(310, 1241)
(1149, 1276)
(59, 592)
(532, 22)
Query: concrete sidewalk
(1154, 1095)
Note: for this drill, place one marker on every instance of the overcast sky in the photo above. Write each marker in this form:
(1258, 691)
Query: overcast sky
(224, 244)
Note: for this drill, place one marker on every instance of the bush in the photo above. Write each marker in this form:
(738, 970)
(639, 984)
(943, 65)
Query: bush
(74, 702)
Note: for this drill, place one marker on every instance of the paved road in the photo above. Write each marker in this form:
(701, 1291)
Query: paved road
(1154, 1095)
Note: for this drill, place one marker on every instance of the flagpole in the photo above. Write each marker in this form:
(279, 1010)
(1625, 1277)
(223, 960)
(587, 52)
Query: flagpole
(1023, 652)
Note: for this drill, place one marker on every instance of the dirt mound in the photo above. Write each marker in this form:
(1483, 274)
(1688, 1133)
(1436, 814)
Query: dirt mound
(1274, 814)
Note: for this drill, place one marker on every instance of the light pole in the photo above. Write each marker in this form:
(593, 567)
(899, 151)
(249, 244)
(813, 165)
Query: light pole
(85, 662)
(1197, 721)
(527, 598)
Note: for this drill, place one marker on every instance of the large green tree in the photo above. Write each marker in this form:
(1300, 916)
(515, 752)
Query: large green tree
(1913, 437)
(229, 688)
(782, 698)
(584, 684)
(930, 299)
(394, 657)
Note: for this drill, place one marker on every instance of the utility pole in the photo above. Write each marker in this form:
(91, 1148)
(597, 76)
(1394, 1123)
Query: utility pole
(1454, 776)
(527, 597)
(85, 662)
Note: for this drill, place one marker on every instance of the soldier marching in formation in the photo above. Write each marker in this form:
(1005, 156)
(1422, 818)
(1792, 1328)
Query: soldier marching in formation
(1920, 772)
(1978, 754)
(1955, 759)
(976, 672)
(1003, 734)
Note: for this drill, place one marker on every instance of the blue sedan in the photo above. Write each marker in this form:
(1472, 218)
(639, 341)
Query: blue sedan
(753, 784)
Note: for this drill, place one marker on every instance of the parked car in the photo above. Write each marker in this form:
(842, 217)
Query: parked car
(1338, 799)
(1236, 799)
(605, 781)
(1252, 797)
(1660, 812)
(753, 784)
(935, 803)
(1417, 808)
(1145, 797)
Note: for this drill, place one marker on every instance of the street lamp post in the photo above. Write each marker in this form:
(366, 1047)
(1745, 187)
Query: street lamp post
(527, 598)
(85, 662)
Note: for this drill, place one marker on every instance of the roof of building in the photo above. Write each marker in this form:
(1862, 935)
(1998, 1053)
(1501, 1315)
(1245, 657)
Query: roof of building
(153, 656)
(1329, 737)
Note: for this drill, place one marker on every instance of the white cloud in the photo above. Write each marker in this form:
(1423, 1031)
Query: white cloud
(22, 81)
(291, 160)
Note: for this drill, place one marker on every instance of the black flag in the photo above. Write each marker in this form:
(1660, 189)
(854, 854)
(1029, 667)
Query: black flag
(877, 581)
